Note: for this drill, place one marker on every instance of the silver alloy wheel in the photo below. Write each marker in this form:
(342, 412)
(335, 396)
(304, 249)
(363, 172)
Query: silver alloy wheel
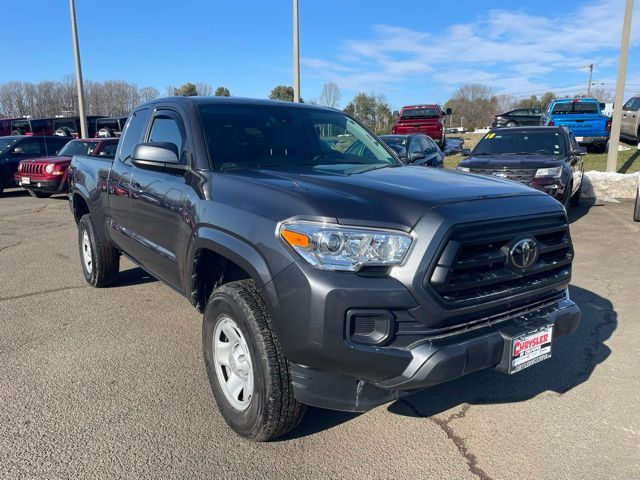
(232, 361)
(86, 252)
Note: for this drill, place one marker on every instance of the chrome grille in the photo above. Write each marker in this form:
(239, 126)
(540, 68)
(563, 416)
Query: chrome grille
(521, 175)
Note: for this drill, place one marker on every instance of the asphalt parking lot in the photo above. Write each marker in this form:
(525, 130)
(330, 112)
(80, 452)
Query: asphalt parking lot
(111, 384)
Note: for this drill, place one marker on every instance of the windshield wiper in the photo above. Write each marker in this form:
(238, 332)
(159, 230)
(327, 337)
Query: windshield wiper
(520, 153)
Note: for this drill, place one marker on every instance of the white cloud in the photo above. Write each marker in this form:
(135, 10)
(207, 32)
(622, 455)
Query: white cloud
(510, 50)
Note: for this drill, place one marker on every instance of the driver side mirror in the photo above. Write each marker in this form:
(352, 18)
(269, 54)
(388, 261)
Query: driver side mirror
(465, 152)
(161, 156)
(580, 151)
(416, 156)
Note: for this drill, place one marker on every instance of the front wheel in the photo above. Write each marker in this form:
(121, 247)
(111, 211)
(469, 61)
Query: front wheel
(247, 371)
(100, 261)
(575, 199)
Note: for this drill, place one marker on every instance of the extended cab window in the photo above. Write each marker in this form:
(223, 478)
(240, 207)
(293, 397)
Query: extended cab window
(135, 129)
(166, 129)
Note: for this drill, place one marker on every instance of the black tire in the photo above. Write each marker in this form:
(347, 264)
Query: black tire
(35, 194)
(636, 210)
(575, 199)
(105, 260)
(273, 409)
(566, 201)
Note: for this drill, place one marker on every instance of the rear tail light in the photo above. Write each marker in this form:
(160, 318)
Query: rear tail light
(608, 126)
(551, 124)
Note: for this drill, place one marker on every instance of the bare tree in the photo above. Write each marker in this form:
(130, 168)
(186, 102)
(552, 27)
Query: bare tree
(204, 89)
(505, 102)
(148, 93)
(330, 96)
(474, 103)
(602, 94)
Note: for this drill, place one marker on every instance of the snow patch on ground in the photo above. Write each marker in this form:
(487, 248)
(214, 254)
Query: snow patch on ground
(608, 186)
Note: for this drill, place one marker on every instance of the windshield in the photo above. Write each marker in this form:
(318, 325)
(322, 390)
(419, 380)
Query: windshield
(540, 142)
(77, 148)
(419, 113)
(7, 142)
(575, 107)
(258, 136)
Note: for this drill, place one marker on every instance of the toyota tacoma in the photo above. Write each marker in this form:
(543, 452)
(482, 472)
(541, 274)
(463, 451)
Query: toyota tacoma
(326, 278)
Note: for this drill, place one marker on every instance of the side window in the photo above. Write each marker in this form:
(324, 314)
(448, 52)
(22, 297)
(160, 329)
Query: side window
(415, 145)
(30, 147)
(629, 105)
(165, 128)
(572, 141)
(134, 130)
(636, 105)
(53, 146)
(108, 150)
(431, 146)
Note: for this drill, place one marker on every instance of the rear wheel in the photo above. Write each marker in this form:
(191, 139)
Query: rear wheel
(247, 371)
(39, 194)
(575, 199)
(100, 261)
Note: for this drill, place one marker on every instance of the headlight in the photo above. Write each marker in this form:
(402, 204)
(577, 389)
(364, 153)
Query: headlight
(48, 168)
(462, 169)
(555, 172)
(334, 247)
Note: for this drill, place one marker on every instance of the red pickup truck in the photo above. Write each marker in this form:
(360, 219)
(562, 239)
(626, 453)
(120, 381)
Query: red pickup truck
(427, 119)
(46, 176)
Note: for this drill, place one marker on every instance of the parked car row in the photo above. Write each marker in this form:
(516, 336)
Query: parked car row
(97, 126)
(40, 163)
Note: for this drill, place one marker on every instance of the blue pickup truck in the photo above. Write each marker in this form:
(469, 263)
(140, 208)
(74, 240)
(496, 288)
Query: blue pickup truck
(584, 117)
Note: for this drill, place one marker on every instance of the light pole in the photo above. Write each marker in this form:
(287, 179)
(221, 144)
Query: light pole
(76, 52)
(614, 139)
(296, 54)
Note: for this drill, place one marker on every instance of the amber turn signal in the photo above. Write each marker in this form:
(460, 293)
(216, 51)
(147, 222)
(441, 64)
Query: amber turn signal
(295, 239)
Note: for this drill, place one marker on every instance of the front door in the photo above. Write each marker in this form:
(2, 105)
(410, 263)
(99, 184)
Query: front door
(159, 205)
(120, 224)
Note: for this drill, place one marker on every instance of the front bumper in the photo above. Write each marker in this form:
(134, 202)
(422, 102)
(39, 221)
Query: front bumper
(41, 185)
(592, 140)
(433, 362)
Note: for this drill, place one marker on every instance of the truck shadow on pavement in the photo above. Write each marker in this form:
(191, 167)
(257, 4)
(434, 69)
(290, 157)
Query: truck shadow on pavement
(133, 276)
(574, 359)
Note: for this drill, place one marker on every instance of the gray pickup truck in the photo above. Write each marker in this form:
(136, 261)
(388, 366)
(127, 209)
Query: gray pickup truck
(329, 273)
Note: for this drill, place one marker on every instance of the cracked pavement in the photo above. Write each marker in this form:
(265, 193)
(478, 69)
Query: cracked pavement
(110, 383)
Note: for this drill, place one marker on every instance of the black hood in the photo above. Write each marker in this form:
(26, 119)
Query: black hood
(396, 197)
(512, 161)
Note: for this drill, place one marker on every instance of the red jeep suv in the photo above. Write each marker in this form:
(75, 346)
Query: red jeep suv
(427, 119)
(45, 176)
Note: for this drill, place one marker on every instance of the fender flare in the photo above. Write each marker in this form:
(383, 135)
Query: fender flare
(230, 247)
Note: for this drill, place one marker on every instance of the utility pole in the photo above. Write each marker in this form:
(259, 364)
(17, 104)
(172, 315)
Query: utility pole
(590, 67)
(80, 87)
(614, 139)
(296, 54)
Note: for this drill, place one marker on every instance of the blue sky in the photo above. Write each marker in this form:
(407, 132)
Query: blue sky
(409, 50)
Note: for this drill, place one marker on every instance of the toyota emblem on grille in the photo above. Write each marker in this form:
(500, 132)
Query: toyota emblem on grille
(524, 253)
